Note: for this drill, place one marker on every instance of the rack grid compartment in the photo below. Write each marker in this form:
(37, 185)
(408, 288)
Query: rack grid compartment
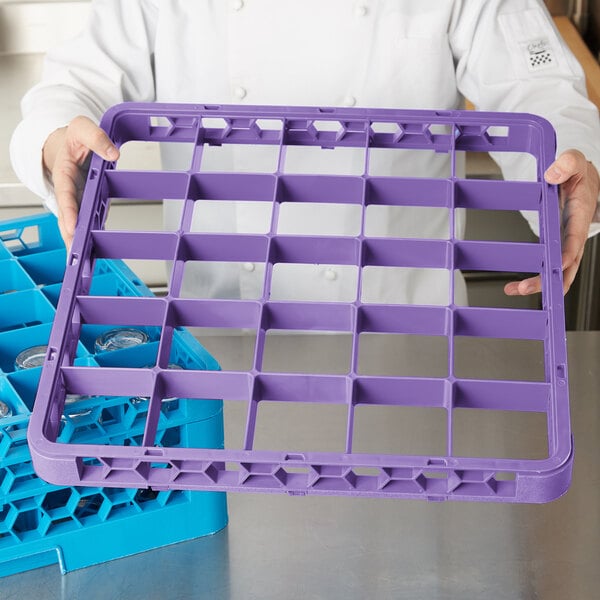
(278, 135)
(42, 523)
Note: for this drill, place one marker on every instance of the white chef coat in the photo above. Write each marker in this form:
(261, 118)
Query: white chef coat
(425, 54)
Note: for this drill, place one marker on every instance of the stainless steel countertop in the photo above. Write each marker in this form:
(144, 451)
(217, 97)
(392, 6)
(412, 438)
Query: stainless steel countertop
(336, 547)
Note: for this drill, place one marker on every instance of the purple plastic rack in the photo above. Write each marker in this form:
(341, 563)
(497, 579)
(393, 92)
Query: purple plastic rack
(302, 470)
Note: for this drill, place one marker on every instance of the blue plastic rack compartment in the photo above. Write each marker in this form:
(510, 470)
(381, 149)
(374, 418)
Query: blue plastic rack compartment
(40, 523)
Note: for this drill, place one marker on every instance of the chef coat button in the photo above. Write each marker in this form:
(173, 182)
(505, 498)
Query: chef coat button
(349, 101)
(330, 275)
(237, 5)
(239, 92)
(248, 266)
(361, 10)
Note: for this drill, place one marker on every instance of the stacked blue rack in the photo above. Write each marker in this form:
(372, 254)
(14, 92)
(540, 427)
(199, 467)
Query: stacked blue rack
(40, 523)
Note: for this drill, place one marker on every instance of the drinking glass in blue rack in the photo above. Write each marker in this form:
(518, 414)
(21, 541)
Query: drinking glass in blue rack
(5, 410)
(30, 358)
(119, 339)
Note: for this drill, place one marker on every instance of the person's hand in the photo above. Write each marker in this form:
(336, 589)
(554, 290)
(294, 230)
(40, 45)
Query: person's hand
(579, 187)
(65, 157)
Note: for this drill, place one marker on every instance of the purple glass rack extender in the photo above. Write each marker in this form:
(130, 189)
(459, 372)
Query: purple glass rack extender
(301, 470)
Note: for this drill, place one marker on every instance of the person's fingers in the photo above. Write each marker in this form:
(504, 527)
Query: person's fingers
(84, 135)
(570, 272)
(579, 185)
(65, 178)
(570, 163)
(67, 220)
(574, 238)
(578, 180)
(533, 285)
(72, 157)
(525, 287)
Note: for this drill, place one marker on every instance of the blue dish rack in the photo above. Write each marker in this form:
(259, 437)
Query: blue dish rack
(76, 527)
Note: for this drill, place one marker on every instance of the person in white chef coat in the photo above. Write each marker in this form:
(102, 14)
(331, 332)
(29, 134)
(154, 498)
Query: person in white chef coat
(405, 54)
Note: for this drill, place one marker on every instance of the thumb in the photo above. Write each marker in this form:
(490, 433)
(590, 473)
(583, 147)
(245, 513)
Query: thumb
(568, 164)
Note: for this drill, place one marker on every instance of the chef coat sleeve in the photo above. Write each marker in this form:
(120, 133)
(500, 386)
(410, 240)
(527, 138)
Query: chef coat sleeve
(510, 57)
(109, 62)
